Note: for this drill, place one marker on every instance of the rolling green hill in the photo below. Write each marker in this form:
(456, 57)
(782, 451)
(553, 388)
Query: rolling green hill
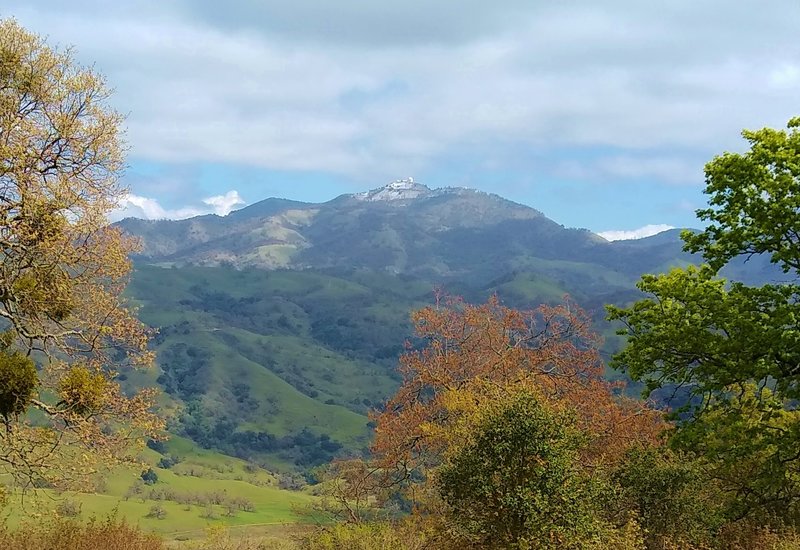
(195, 490)
(280, 365)
(281, 323)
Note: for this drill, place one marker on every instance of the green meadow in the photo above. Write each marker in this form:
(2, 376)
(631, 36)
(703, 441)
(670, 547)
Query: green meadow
(189, 499)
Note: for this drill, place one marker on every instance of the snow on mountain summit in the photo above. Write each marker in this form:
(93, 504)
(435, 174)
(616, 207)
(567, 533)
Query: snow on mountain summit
(402, 189)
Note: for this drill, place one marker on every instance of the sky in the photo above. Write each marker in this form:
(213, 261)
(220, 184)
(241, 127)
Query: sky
(599, 114)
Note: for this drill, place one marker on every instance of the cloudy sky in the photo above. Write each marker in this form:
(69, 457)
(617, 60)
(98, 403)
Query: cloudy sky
(600, 114)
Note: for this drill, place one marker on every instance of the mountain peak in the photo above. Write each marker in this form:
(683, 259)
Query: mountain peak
(402, 189)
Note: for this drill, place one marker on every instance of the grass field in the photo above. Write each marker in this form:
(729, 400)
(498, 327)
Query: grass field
(201, 475)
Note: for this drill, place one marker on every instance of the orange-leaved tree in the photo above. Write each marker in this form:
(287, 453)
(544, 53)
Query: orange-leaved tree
(479, 355)
(65, 327)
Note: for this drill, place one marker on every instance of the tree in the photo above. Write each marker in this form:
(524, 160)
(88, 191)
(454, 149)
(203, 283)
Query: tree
(732, 351)
(149, 477)
(478, 355)
(754, 204)
(503, 428)
(62, 270)
(518, 482)
(669, 495)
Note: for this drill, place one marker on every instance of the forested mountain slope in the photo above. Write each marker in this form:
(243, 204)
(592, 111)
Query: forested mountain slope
(281, 323)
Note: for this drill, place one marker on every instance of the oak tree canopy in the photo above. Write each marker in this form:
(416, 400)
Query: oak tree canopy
(66, 329)
(733, 349)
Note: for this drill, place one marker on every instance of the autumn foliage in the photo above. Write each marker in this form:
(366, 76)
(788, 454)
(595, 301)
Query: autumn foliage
(503, 433)
(67, 329)
(477, 355)
(93, 535)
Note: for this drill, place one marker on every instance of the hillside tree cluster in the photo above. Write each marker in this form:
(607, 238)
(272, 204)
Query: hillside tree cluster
(505, 433)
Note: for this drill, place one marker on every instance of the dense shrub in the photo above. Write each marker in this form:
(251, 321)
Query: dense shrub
(72, 535)
(669, 495)
(157, 512)
(68, 508)
(149, 476)
(518, 482)
(168, 461)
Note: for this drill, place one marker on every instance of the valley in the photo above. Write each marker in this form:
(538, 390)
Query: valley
(223, 326)
(281, 364)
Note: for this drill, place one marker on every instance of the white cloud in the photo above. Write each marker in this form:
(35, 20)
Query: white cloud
(135, 206)
(642, 232)
(670, 169)
(223, 204)
(302, 86)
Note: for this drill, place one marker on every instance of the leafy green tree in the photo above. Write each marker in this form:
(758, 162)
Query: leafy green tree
(149, 477)
(669, 497)
(519, 483)
(732, 352)
(754, 204)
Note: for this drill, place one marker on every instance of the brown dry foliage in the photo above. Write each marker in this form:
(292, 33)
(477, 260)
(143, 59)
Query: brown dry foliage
(74, 535)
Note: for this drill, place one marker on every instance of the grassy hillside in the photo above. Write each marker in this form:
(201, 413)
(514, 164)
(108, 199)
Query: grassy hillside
(276, 366)
(201, 490)
(282, 366)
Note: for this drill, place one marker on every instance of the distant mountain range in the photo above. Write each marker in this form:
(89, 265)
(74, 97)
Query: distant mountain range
(449, 234)
(281, 323)
(404, 227)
